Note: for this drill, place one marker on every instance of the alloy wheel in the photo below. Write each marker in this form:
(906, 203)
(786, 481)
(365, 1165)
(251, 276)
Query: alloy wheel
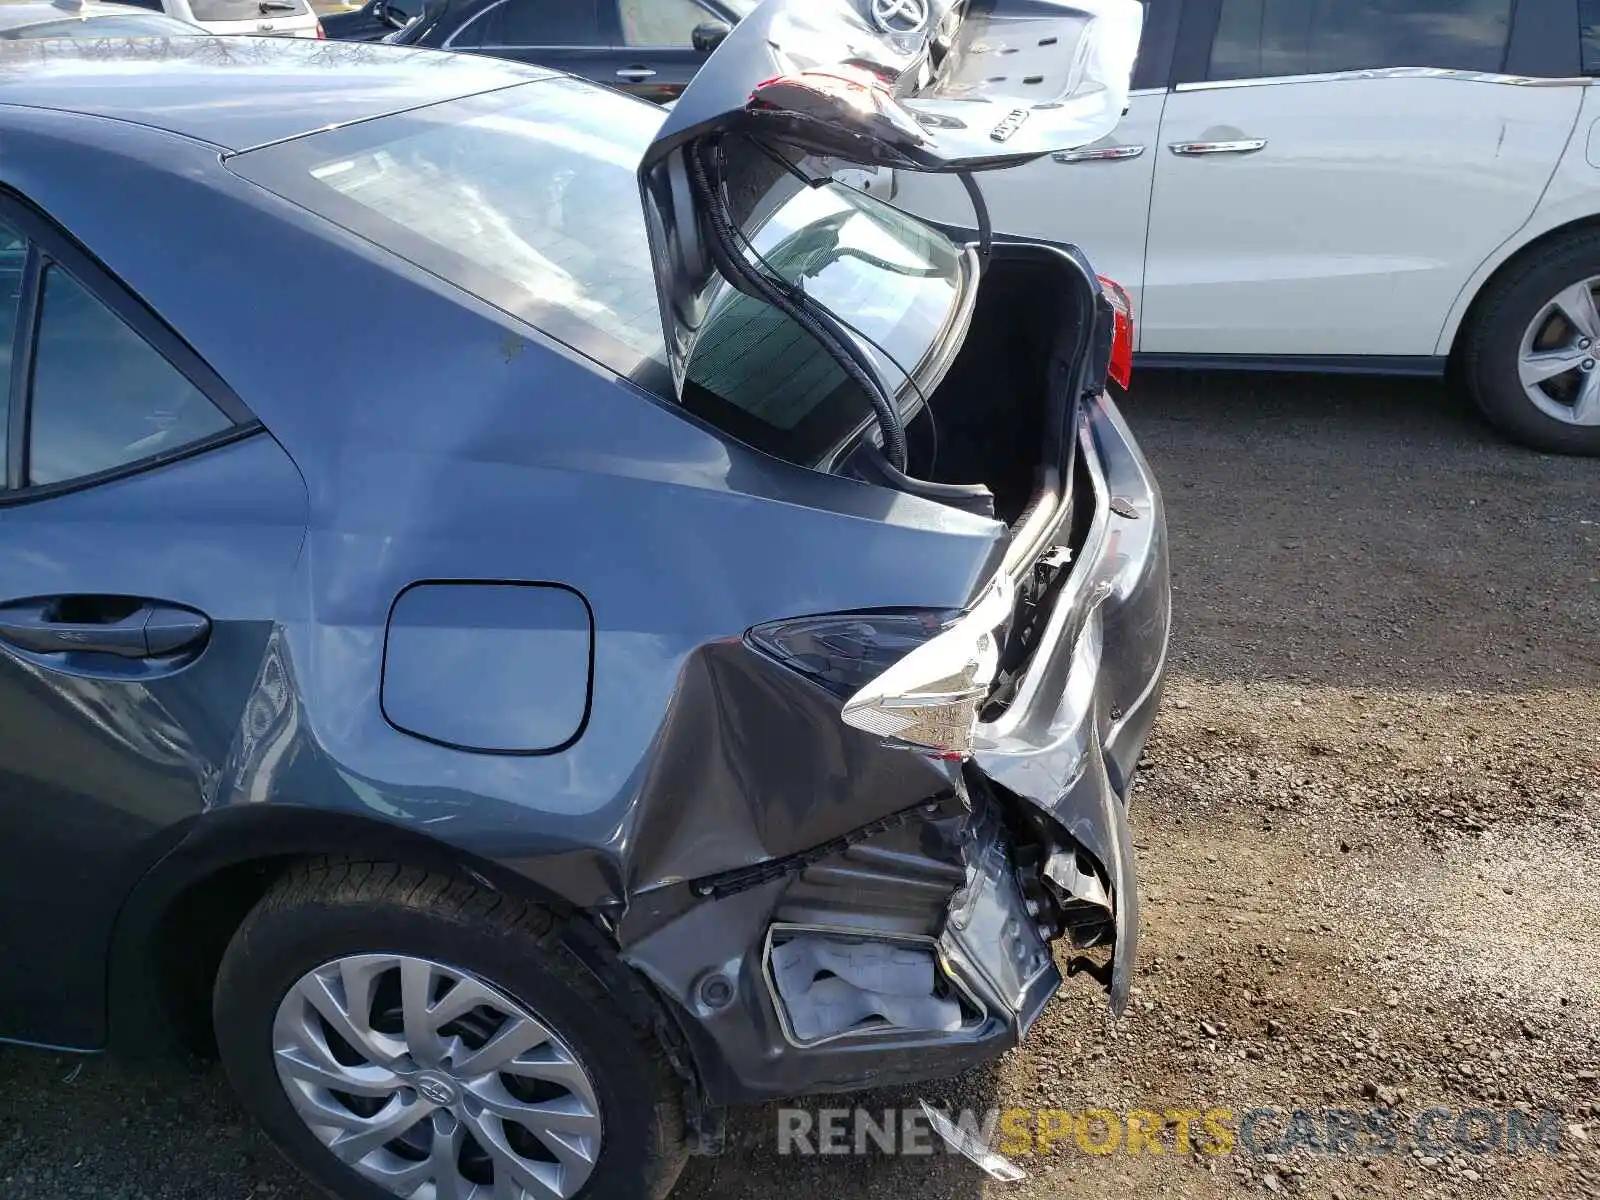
(1559, 360)
(434, 1085)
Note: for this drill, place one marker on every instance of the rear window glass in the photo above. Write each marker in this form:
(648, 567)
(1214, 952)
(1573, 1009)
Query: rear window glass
(247, 10)
(530, 198)
(757, 374)
(1268, 38)
(102, 396)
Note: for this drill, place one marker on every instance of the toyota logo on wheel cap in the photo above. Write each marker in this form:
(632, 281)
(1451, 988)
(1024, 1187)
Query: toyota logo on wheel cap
(900, 16)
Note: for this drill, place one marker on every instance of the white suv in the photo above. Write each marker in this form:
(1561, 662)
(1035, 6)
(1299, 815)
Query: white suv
(1385, 186)
(268, 18)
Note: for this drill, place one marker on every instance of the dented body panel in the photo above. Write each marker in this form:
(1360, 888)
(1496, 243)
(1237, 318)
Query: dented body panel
(701, 808)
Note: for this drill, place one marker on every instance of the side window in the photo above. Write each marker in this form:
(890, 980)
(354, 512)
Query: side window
(1269, 38)
(537, 23)
(661, 22)
(1589, 15)
(102, 396)
(13, 260)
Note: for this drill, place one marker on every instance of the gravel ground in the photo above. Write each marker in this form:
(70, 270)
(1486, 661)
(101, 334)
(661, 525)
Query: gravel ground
(1366, 828)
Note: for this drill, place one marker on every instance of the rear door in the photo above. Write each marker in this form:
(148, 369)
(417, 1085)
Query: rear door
(148, 528)
(1096, 197)
(1330, 174)
(657, 45)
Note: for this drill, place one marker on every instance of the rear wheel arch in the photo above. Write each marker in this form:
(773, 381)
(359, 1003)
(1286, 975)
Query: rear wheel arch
(1484, 354)
(171, 933)
(1549, 242)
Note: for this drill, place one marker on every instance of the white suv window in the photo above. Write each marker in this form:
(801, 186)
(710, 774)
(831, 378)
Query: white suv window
(1589, 15)
(1270, 38)
(661, 22)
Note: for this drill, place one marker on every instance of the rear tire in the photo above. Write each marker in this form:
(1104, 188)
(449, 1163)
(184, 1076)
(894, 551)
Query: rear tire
(1520, 319)
(365, 933)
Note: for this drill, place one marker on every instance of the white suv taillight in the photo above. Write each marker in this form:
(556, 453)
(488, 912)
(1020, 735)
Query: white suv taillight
(929, 699)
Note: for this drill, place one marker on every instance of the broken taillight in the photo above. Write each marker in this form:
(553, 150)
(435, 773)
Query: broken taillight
(846, 651)
(929, 700)
(1121, 367)
(914, 678)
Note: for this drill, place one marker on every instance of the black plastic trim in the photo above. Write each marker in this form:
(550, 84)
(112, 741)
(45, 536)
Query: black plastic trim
(1419, 365)
(1546, 40)
(66, 487)
(742, 879)
(1191, 58)
(1153, 68)
(16, 464)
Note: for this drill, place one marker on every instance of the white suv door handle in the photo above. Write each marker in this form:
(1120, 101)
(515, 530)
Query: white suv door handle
(1239, 146)
(1097, 154)
(635, 74)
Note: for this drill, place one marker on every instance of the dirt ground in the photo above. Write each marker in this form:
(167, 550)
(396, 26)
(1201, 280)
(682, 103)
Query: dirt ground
(1366, 828)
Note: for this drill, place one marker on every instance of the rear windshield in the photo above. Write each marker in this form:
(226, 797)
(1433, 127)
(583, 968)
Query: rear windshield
(529, 198)
(117, 25)
(247, 10)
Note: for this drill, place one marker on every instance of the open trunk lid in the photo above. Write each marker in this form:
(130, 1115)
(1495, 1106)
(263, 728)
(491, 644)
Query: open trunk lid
(806, 86)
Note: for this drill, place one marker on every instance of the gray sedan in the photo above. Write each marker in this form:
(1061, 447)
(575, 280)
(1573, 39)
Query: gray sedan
(689, 641)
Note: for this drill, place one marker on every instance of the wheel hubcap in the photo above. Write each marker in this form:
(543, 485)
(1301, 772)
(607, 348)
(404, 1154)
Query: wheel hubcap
(434, 1085)
(1556, 361)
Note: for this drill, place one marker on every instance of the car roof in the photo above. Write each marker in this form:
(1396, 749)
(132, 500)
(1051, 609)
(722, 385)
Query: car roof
(240, 92)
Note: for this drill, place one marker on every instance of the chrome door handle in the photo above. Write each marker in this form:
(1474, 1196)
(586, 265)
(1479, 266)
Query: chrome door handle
(1241, 146)
(1097, 154)
(635, 74)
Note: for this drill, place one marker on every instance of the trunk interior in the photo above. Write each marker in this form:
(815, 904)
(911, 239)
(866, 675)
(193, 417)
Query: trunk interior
(1005, 416)
(1001, 414)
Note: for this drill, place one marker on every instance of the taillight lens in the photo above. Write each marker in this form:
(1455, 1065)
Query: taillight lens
(844, 652)
(321, 32)
(1121, 368)
(915, 679)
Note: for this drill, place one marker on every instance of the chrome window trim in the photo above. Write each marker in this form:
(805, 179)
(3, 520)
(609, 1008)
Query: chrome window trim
(1207, 85)
(450, 41)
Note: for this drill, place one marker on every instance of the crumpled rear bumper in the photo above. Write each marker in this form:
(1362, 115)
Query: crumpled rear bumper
(961, 876)
(1069, 743)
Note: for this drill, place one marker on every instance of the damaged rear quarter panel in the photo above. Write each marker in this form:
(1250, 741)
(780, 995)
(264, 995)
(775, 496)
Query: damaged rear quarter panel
(1070, 742)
